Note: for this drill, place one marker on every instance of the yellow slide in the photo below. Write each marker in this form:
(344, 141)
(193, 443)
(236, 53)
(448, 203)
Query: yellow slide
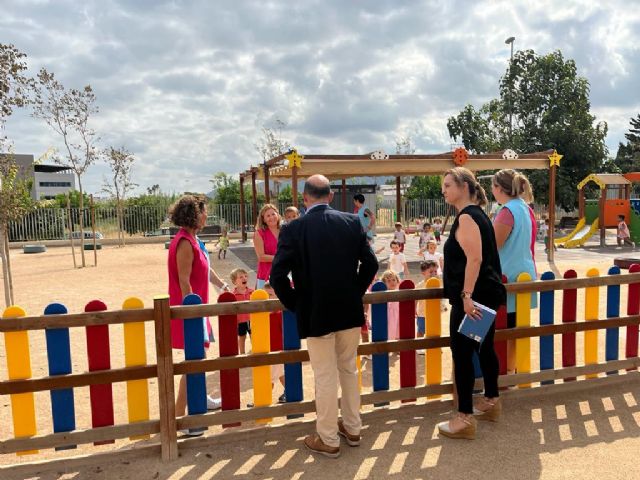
(579, 235)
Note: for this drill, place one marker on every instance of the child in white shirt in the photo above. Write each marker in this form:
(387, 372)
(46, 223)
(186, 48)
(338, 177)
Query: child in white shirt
(429, 253)
(399, 236)
(397, 261)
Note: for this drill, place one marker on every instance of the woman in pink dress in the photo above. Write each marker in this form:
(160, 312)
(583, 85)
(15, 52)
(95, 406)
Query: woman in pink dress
(265, 241)
(189, 272)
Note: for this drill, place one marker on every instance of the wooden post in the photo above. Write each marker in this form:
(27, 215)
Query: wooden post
(294, 185)
(243, 213)
(398, 201)
(344, 195)
(93, 229)
(254, 199)
(581, 203)
(166, 396)
(267, 196)
(552, 211)
(70, 223)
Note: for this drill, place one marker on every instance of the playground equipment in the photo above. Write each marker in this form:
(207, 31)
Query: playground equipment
(602, 213)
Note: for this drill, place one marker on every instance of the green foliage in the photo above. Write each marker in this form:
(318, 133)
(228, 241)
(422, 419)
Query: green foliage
(145, 213)
(285, 196)
(227, 190)
(550, 107)
(424, 187)
(15, 192)
(628, 157)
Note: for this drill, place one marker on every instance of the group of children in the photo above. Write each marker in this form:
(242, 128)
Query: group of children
(428, 245)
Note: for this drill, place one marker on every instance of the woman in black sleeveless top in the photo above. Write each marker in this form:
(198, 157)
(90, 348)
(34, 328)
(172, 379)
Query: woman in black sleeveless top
(471, 273)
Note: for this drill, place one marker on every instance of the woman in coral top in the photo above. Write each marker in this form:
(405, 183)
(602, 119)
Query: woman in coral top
(265, 241)
(189, 272)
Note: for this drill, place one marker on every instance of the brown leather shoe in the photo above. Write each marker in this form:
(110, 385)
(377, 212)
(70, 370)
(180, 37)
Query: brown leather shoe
(352, 440)
(315, 444)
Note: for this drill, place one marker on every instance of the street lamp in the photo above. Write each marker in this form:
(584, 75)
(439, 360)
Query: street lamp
(509, 41)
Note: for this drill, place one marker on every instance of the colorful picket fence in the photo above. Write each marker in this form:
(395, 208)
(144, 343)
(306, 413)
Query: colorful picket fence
(275, 342)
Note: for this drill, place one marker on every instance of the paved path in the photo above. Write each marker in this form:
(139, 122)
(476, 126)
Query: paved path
(578, 430)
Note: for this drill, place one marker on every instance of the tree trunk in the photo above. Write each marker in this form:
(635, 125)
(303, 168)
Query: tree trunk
(81, 220)
(5, 269)
(120, 222)
(8, 279)
(70, 226)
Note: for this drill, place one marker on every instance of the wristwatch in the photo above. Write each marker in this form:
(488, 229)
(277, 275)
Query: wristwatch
(464, 294)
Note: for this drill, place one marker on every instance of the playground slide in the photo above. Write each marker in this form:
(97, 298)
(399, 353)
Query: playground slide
(579, 235)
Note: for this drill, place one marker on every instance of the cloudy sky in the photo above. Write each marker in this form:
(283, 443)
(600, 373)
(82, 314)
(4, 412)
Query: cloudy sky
(187, 85)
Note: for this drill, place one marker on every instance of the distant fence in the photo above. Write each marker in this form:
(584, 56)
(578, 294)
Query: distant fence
(53, 223)
(620, 354)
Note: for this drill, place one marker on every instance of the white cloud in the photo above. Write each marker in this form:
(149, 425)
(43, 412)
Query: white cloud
(187, 85)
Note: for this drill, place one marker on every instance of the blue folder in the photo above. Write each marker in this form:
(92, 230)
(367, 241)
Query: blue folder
(477, 329)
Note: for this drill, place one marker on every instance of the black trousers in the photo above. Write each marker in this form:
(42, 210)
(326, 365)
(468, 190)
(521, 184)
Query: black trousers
(462, 349)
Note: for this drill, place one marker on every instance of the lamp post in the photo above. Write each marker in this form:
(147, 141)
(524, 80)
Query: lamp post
(509, 41)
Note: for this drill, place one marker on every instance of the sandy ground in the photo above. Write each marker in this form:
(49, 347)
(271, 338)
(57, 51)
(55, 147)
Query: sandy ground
(140, 270)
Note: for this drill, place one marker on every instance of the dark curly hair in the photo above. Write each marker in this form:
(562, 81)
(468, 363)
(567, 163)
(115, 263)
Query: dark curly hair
(184, 213)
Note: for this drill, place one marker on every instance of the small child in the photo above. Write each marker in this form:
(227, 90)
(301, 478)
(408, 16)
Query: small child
(290, 214)
(425, 235)
(223, 244)
(240, 278)
(428, 269)
(399, 236)
(397, 261)
(276, 342)
(392, 281)
(437, 229)
(429, 253)
(623, 233)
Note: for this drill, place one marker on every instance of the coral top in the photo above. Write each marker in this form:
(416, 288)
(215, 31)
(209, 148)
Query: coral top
(199, 281)
(270, 243)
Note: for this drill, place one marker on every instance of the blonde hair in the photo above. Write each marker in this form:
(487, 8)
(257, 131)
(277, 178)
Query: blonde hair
(463, 175)
(260, 225)
(513, 184)
(235, 272)
(432, 242)
(389, 275)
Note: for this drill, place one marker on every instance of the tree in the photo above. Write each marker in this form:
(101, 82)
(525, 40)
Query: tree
(424, 187)
(628, 156)
(550, 107)
(227, 190)
(15, 196)
(68, 113)
(271, 144)
(121, 161)
(285, 196)
(15, 203)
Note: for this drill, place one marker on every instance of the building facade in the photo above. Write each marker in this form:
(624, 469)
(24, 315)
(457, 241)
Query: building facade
(47, 180)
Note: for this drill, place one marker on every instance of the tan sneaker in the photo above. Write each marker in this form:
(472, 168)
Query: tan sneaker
(352, 440)
(315, 444)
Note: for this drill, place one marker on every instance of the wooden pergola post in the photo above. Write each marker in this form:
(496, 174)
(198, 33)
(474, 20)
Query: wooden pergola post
(254, 195)
(294, 186)
(243, 213)
(398, 201)
(601, 203)
(344, 195)
(267, 196)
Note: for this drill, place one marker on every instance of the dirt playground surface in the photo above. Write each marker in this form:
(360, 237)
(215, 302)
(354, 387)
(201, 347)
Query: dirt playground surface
(404, 442)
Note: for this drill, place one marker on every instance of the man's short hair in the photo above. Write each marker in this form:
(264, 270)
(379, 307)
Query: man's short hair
(359, 197)
(317, 191)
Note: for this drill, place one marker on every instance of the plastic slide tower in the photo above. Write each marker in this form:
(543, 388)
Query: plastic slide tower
(580, 235)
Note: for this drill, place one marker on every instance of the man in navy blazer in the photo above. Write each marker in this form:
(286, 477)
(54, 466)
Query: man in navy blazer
(332, 265)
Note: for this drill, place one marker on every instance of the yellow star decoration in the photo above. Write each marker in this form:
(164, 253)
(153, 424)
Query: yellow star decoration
(295, 160)
(554, 159)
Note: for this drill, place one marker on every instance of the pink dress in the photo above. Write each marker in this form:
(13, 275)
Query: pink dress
(393, 320)
(199, 281)
(270, 243)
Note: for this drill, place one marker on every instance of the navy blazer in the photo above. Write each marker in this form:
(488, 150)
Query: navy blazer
(332, 265)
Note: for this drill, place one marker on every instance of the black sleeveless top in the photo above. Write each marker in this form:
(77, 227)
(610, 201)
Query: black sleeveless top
(488, 289)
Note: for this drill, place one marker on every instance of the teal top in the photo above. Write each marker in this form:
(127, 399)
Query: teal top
(515, 254)
(365, 221)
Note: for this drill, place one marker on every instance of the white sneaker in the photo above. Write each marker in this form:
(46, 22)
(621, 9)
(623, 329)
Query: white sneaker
(191, 433)
(213, 403)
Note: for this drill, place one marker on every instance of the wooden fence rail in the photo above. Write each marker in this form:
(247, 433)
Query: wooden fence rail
(165, 369)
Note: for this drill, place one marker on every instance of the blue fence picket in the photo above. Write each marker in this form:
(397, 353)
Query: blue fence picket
(613, 310)
(194, 331)
(379, 333)
(546, 318)
(292, 371)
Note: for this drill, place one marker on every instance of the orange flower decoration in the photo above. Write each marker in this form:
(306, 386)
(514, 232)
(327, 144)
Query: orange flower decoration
(460, 156)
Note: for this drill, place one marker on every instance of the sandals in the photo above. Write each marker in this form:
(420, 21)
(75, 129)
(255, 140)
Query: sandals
(467, 432)
(492, 413)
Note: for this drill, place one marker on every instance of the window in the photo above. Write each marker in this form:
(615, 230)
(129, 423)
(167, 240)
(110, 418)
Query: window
(55, 184)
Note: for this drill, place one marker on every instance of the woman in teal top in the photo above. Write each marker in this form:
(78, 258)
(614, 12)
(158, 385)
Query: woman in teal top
(515, 230)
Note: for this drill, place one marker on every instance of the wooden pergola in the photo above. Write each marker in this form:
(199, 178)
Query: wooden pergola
(294, 167)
